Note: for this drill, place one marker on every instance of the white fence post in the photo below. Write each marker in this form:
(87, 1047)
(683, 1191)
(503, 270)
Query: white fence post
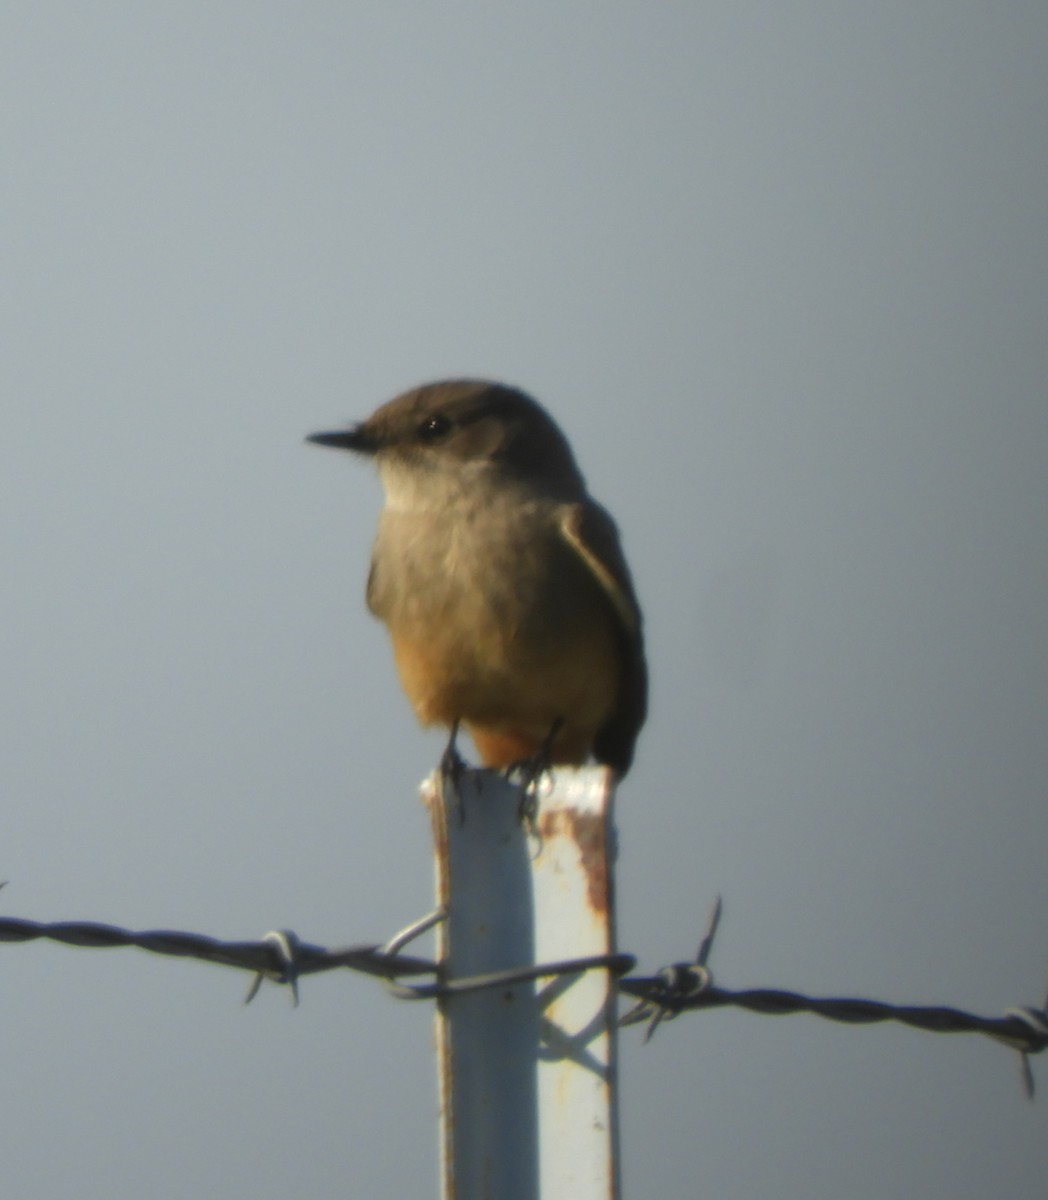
(527, 1069)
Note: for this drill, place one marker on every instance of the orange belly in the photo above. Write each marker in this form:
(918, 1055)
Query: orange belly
(508, 695)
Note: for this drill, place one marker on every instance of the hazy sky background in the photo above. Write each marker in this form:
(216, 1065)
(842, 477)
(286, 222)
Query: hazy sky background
(781, 272)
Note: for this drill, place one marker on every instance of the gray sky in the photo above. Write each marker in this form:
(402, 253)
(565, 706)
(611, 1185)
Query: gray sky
(780, 271)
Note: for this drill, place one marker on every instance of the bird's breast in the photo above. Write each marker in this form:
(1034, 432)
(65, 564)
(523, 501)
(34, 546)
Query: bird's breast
(486, 603)
(475, 566)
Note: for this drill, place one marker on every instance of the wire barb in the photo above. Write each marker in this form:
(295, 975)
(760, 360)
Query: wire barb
(285, 948)
(678, 983)
(1036, 1021)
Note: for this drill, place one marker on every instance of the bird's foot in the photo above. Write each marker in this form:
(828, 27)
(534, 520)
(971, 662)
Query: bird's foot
(529, 773)
(452, 765)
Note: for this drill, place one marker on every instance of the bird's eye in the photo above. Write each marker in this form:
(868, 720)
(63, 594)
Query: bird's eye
(434, 428)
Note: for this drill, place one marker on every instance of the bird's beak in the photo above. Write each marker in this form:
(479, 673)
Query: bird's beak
(355, 438)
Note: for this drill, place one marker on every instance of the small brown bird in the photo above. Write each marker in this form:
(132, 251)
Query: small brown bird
(501, 580)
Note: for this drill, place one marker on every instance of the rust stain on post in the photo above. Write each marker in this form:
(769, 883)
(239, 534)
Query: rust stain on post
(586, 830)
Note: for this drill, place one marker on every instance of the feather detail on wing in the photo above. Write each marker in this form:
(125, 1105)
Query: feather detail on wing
(592, 534)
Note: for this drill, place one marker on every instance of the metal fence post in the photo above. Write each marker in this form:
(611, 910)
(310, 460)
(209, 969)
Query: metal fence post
(527, 1069)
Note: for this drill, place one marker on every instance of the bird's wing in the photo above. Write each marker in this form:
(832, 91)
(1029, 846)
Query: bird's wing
(592, 534)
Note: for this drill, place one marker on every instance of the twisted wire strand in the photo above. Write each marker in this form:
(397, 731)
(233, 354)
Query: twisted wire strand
(283, 958)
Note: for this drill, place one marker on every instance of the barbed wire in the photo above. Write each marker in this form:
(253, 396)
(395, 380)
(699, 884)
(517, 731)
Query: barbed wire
(684, 987)
(689, 986)
(282, 957)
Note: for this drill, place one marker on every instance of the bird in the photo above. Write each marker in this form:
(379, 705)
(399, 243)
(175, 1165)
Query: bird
(502, 582)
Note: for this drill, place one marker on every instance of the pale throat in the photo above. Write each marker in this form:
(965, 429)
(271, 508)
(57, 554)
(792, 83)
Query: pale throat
(430, 488)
